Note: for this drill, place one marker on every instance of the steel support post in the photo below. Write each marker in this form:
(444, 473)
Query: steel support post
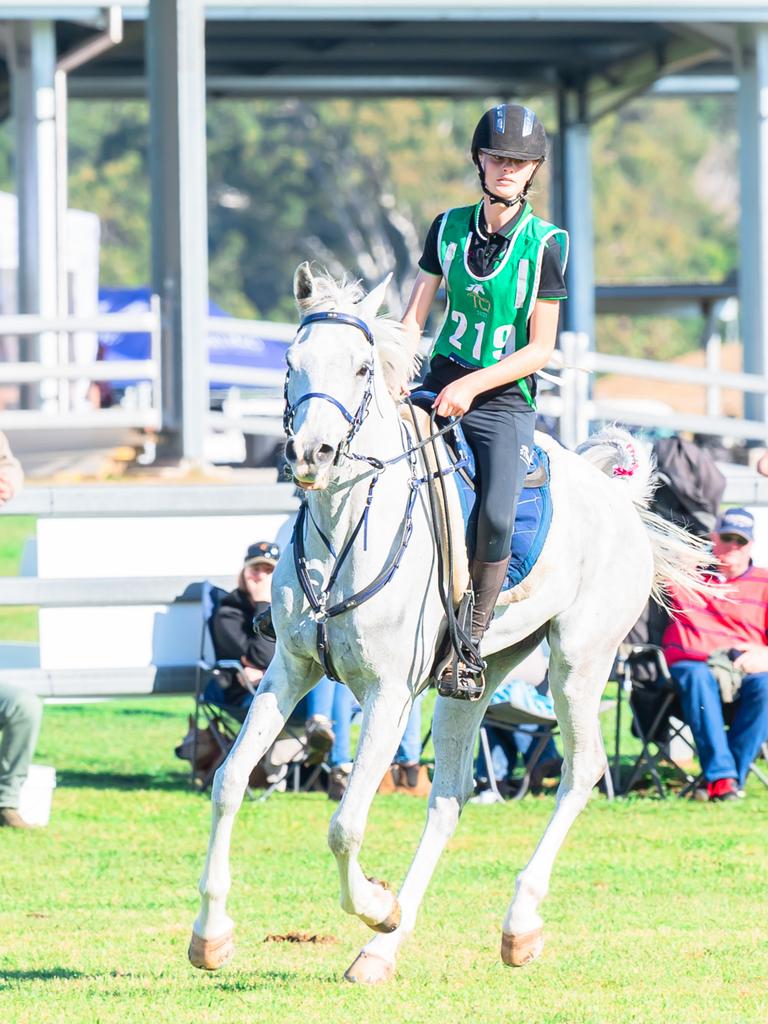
(176, 69)
(577, 210)
(753, 232)
(32, 49)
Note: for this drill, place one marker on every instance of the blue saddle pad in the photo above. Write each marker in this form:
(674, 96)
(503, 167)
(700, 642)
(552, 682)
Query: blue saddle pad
(532, 520)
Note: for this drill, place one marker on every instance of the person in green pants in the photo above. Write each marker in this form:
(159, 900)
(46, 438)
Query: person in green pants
(20, 712)
(20, 717)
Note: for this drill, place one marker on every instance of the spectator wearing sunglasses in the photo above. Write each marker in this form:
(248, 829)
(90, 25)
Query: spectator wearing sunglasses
(232, 628)
(717, 651)
(327, 708)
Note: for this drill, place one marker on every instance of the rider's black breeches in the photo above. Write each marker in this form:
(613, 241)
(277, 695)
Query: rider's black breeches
(499, 430)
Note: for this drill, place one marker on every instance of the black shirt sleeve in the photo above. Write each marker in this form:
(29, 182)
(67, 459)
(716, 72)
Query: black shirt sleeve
(430, 257)
(551, 281)
(233, 636)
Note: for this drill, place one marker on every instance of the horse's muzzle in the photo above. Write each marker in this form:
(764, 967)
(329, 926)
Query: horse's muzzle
(310, 464)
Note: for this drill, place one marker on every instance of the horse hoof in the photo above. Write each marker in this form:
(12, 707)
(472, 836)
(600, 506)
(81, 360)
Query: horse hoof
(519, 950)
(392, 921)
(369, 969)
(211, 954)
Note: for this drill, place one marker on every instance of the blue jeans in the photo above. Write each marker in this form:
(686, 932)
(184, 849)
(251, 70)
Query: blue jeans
(409, 751)
(505, 746)
(336, 702)
(723, 755)
(327, 698)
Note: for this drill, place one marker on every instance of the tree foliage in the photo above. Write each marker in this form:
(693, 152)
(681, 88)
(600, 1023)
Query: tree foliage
(355, 185)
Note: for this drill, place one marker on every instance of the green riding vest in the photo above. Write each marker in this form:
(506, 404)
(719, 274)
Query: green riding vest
(487, 317)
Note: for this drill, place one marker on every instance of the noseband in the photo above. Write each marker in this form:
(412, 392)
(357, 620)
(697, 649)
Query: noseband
(355, 420)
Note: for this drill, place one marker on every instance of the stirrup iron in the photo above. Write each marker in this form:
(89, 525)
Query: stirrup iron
(460, 674)
(460, 681)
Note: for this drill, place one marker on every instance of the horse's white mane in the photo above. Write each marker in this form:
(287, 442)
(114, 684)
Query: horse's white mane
(395, 346)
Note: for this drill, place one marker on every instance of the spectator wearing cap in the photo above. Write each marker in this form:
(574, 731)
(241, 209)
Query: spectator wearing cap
(326, 707)
(232, 626)
(707, 637)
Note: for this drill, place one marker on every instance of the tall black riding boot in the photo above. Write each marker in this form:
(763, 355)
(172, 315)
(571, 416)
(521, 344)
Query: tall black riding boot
(457, 679)
(487, 581)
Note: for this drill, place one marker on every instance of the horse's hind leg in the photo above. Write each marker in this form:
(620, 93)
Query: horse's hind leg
(212, 943)
(577, 685)
(453, 733)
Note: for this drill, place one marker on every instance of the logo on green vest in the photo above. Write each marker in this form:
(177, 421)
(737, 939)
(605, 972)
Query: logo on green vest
(479, 301)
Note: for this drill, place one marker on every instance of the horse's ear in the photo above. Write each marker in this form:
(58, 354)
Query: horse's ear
(373, 301)
(303, 284)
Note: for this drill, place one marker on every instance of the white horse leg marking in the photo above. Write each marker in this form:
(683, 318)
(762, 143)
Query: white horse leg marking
(576, 690)
(281, 689)
(384, 718)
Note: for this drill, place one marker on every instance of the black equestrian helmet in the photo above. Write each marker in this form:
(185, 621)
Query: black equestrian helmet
(510, 130)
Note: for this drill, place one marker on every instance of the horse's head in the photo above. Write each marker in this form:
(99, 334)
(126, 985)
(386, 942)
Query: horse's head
(333, 370)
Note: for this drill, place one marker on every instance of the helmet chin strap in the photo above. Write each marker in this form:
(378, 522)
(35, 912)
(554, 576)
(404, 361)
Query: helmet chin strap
(499, 199)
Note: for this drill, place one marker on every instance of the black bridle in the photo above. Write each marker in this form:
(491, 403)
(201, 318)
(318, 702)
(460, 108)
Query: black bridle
(318, 600)
(355, 420)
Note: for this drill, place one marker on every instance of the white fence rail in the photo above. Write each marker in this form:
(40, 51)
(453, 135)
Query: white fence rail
(259, 409)
(576, 409)
(144, 627)
(156, 612)
(141, 408)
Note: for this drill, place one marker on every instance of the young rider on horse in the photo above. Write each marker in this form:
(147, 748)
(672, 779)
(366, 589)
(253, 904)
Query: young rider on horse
(503, 271)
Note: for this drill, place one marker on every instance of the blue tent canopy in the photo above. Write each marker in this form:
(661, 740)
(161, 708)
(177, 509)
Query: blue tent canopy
(224, 347)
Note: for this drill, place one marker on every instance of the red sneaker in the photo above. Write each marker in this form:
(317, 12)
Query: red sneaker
(723, 789)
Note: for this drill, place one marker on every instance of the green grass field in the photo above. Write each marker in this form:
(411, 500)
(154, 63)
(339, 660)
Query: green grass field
(657, 911)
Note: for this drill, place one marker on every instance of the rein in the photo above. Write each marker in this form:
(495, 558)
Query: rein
(320, 610)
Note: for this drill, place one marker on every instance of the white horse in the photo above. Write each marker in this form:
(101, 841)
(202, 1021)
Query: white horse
(365, 513)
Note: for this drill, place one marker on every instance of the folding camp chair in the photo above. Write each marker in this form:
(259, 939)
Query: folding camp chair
(509, 717)
(223, 721)
(289, 756)
(657, 720)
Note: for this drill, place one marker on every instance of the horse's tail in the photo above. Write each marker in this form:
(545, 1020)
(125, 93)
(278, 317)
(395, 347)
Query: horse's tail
(679, 558)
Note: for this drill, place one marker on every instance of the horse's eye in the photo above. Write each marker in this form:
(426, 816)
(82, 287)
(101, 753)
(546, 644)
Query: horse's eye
(364, 370)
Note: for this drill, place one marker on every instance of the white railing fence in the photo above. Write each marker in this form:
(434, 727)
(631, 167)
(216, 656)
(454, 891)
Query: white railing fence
(56, 370)
(252, 397)
(576, 410)
(117, 581)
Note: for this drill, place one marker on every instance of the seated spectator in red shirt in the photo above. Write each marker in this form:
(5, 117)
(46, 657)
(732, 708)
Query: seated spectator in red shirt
(733, 627)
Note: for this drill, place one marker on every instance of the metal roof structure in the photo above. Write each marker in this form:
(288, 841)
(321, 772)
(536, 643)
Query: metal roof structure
(592, 56)
(447, 48)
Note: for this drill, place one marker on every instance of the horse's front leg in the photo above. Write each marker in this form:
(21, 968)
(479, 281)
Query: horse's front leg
(384, 718)
(287, 679)
(454, 728)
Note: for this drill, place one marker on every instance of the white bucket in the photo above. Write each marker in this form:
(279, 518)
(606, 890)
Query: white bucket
(37, 793)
